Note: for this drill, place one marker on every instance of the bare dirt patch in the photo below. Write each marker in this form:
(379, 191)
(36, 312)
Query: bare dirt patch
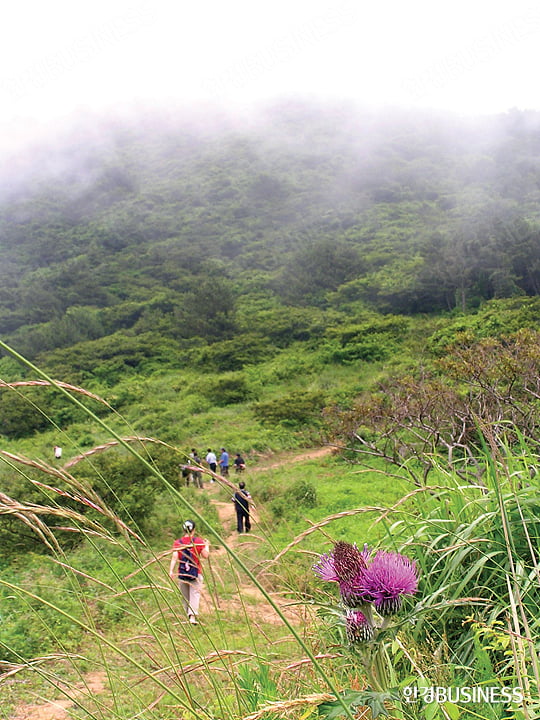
(94, 683)
(270, 463)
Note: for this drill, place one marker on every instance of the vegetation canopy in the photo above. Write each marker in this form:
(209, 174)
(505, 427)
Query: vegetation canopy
(350, 303)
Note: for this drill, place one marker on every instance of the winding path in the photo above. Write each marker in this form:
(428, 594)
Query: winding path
(260, 612)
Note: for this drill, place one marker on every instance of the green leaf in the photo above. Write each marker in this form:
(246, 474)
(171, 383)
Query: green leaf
(331, 710)
(453, 710)
(335, 708)
(430, 710)
(374, 700)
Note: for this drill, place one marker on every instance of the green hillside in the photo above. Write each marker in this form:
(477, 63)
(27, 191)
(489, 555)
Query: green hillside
(307, 280)
(166, 227)
(176, 242)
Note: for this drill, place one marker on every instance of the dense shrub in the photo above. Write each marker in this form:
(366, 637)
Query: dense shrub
(495, 319)
(126, 485)
(31, 627)
(112, 357)
(371, 349)
(294, 410)
(227, 389)
(284, 326)
(303, 493)
(231, 355)
(20, 415)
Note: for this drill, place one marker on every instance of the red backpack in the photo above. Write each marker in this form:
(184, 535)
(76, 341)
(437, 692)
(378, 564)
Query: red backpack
(188, 570)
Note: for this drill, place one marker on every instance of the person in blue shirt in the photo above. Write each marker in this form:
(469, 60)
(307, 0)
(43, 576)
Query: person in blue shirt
(224, 462)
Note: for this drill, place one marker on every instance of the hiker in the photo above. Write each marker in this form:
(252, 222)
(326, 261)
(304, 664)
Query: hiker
(186, 566)
(211, 459)
(241, 500)
(185, 472)
(196, 474)
(239, 463)
(224, 462)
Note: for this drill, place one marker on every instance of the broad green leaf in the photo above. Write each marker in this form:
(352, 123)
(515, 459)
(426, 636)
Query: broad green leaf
(431, 710)
(452, 710)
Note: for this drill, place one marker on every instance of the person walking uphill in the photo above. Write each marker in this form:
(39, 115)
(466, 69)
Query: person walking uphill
(241, 500)
(196, 474)
(187, 567)
(211, 461)
(224, 462)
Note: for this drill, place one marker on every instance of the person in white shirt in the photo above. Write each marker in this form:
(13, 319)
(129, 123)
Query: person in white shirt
(211, 459)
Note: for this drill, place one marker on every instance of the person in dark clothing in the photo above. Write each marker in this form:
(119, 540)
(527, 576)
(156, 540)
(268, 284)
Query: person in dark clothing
(196, 474)
(239, 463)
(241, 500)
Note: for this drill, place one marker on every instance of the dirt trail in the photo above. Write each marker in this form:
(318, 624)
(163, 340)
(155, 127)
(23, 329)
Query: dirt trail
(94, 683)
(288, 458)
(260, 612)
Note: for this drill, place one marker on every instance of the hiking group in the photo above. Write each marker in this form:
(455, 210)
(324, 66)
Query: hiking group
(190, 549)
(189, 474)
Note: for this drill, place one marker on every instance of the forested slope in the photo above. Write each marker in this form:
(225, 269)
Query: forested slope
(168, 226)
(209, 246)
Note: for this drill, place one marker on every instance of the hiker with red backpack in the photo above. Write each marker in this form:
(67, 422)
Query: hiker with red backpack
(186, 566)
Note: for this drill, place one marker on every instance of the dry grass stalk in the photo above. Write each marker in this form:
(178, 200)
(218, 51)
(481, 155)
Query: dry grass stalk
(10, 669)
(518, 649)
(31, 511)
(202, 664)
(81, 573)
(45, 383)
(50, 470)
(308, 661)
(144, 587)
(285, 705)
(114, 443)
(28, 514)
(82, 490)
(155, 559)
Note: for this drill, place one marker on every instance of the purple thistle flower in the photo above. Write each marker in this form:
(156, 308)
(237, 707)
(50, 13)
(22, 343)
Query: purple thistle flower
(386, 580)
(325, 568)
(343, 565)
(357, 627)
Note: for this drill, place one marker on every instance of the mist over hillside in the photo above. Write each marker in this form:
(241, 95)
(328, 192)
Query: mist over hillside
(177, 223)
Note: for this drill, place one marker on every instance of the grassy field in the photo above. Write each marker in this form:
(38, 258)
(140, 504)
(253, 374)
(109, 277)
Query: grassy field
(96, 625)
(143, 622)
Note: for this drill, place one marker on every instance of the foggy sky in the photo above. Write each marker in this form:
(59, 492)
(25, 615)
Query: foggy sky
(61, 58)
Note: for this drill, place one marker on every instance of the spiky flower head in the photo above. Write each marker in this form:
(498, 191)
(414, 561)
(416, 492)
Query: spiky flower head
(358, 627)
(342, 565)
(386, 580)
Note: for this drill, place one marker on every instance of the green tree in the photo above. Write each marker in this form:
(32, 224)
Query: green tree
(21, 414)
(208, 310)
(317, 268)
